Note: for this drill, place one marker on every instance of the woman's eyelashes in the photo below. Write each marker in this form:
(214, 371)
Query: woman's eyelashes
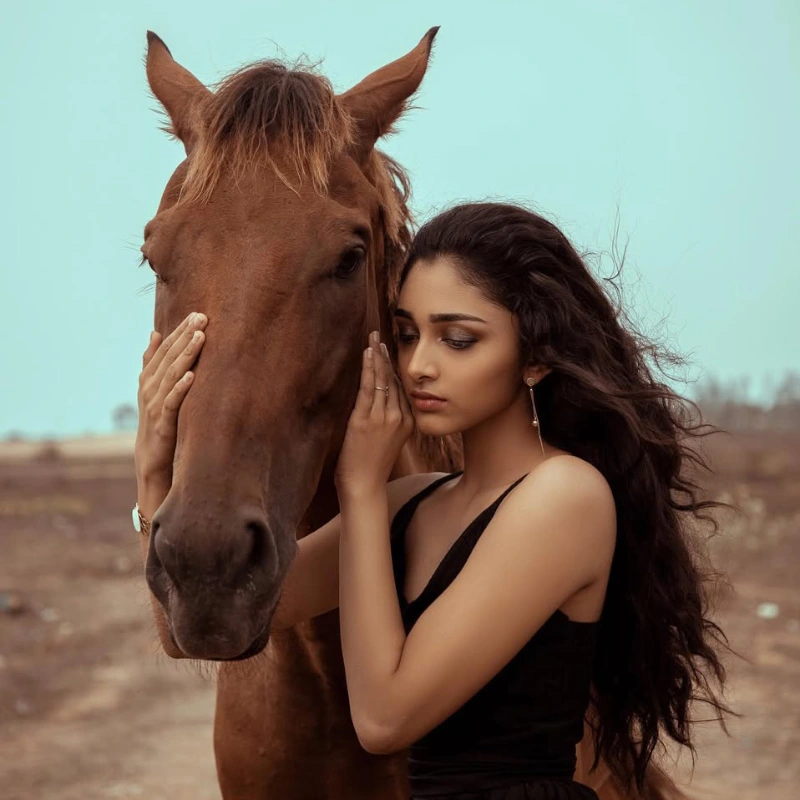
(456, 341)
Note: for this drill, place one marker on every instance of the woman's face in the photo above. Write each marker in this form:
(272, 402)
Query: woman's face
(473, 364)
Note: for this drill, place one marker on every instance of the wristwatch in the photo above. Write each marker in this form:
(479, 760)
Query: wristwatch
(140, 523)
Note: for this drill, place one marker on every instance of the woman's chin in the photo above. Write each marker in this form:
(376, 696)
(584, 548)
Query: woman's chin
(433, 427)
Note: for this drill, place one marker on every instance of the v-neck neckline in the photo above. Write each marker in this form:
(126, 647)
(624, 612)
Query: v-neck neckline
(410, 509)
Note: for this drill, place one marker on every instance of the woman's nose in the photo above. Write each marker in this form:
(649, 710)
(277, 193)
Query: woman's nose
(420, 365)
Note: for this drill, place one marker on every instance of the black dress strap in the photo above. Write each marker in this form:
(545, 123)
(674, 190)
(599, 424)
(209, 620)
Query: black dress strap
(453, 560)
(403, 514)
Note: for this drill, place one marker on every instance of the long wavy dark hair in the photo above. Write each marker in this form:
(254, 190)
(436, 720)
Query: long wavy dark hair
(658, 650)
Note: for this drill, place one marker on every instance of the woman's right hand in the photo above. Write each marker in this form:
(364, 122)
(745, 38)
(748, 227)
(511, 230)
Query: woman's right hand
(163, 383)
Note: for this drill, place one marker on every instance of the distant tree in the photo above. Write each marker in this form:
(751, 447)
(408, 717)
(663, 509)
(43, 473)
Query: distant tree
(49, 450)
(727, 403)
(786, 408)
(788, 390)
(126, 417)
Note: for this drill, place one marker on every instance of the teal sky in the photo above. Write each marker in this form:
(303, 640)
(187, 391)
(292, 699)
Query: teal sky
(684, 114)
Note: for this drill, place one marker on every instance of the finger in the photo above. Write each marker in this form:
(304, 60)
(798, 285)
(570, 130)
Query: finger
(152, 346)
(379, 395)
(164, 344)
(162, 348)
(366, 389)
(392, 401)
(176, 343)
(185, 356)
(182, 362)
(172, 404)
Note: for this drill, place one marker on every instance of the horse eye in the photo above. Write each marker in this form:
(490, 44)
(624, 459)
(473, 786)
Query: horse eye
(145, 260)
(349, 263)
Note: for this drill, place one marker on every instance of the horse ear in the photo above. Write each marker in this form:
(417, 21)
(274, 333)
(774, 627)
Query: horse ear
(180, 93)
(378, 101)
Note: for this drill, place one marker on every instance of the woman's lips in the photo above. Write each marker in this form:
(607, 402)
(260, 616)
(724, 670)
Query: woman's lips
(427, 403)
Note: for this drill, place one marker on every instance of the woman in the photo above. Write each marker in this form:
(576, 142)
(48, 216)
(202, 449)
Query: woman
(479, 607)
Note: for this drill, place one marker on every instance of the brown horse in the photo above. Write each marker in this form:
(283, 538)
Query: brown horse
(286, 227)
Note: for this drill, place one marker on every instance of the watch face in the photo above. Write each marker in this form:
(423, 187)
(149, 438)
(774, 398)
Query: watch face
(135, 515)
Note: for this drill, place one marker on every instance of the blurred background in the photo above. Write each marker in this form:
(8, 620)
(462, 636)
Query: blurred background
(666, 129)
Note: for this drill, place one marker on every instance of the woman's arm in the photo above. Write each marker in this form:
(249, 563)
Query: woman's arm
(163, 383)
(311, 586)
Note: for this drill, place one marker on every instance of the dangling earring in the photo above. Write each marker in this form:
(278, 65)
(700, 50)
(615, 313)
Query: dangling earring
(535, 421)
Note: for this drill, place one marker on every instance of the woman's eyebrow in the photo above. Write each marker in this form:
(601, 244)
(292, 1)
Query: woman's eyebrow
(401, 312)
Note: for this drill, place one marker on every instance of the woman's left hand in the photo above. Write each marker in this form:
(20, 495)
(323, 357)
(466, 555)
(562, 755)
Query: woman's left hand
(379, 425)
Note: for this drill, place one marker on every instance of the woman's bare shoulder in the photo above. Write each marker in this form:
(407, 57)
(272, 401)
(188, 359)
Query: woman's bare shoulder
(564, 465)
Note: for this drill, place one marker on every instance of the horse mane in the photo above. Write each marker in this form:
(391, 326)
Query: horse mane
(443, 453)
(268, 111)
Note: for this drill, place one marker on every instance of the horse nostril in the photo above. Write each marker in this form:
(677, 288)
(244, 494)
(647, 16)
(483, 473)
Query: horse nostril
(262, 546)
(161, 563)
(257, 529)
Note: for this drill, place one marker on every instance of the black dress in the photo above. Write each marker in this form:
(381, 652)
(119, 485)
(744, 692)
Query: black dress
(515, 739)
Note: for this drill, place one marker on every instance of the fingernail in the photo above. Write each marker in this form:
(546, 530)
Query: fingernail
(385, 350)
(369, 353)
(152, 334)
(200, 319)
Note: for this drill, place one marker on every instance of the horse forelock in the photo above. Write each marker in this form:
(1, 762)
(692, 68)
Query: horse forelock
(263, 110)
(269, 112)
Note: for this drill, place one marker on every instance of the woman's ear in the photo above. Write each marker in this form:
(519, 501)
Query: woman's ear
(535, 372)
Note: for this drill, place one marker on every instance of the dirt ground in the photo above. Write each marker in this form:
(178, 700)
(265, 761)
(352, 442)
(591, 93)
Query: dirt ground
(90, 710)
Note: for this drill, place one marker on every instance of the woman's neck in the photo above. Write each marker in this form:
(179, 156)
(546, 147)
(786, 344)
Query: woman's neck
(501, 449)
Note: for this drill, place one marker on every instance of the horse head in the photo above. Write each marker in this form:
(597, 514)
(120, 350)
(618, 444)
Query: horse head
(283, 225)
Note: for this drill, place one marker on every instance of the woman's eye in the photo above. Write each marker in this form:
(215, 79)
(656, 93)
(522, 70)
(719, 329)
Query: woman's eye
(349, 263)
(404, 337)
(460, 344)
